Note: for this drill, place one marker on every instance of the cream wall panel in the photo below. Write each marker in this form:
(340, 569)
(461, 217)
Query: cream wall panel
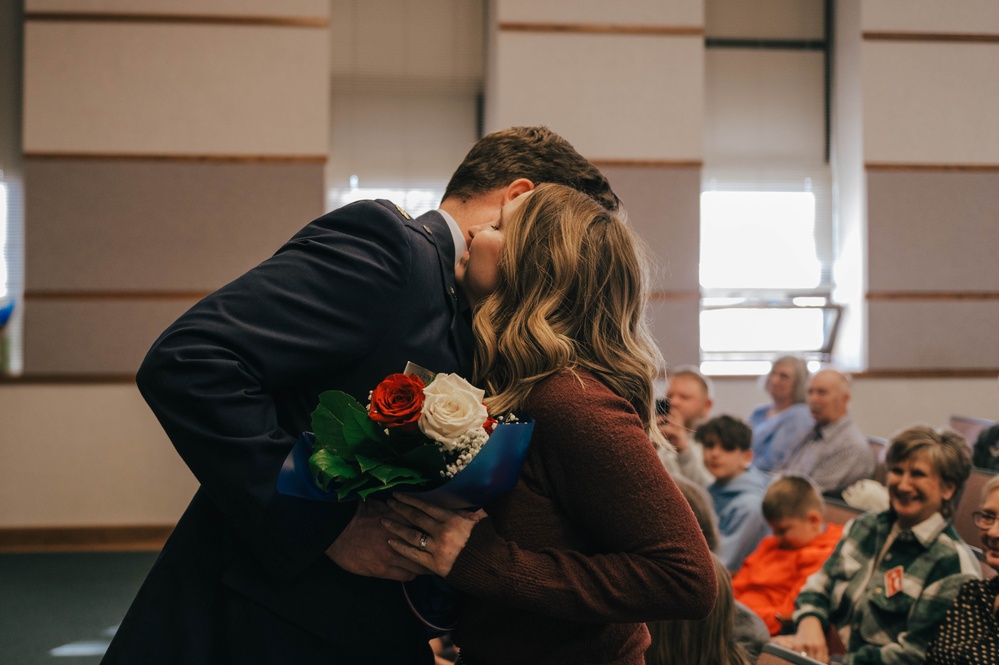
(933, 334)
(110, 225)
(621, 12)
(764, 107)
(406, 40)
(676, 330)
(104, 337)
(254, 8)
(764, 19)
(933, 231)
(965, 16)
(114, 465)
(175, 89)
(931, 102)
(392, 137)
(612, 96)
(663, 207)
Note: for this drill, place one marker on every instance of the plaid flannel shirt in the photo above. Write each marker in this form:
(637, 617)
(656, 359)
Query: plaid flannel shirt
(893, 612)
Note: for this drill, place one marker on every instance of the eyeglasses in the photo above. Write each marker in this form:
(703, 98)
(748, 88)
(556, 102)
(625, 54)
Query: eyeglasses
(983, 520)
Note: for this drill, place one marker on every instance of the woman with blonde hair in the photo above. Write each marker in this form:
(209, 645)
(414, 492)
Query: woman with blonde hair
(595, 539)
(710, 641)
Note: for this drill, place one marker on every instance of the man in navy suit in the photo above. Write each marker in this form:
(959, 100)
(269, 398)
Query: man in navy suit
(252, 576)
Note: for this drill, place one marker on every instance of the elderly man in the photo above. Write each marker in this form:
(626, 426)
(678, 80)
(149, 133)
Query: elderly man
(689, 395)
(835, 453)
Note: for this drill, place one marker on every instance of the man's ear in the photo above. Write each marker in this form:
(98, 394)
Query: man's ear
(516, 188)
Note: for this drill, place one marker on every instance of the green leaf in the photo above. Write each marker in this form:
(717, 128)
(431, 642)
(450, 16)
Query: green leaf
(357, 426)
(327, 466)
(387, 473)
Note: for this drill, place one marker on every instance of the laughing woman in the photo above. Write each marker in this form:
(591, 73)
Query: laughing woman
(595, 539)
(893, 574)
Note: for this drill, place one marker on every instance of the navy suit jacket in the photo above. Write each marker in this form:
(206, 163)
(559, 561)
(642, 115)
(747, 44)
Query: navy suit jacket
(243, 578)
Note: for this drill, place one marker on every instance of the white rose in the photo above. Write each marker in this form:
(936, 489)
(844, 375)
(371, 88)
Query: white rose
(453, 407)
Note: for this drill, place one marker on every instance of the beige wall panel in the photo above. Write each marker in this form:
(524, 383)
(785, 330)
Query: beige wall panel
(175, 89)
(663, 206)
(966, 16)
(764, 19)
(931, 103)
(407, 40)
(933, 231)
(612, 96)
(676, 330)
(115, 466)
(764, 107)
(106, 337)
(234, 8)
(392, 137)
(600, 12)
(106, 225)
(933, 334)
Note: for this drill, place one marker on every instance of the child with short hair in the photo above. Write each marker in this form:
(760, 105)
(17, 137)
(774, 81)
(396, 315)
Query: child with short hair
(772, 576)
(737, 490)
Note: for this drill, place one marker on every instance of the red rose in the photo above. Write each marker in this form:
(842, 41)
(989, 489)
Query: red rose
(397, 402)
(489, 425)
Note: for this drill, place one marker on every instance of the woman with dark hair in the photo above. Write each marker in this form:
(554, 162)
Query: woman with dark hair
(893, 574)
(780, 425)
(595, 539)
(970, 632)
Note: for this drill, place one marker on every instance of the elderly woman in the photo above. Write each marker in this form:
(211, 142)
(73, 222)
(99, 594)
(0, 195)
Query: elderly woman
(970, 633)
(779, 426)
(893, 574)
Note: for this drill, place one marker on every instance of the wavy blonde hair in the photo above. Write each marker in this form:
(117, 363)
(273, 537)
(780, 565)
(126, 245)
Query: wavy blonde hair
(571, 295)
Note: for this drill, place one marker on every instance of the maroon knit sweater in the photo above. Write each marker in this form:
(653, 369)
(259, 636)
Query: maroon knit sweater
(594, 540)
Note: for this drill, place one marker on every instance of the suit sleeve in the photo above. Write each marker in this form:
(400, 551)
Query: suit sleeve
(652, 561)
(215, 377)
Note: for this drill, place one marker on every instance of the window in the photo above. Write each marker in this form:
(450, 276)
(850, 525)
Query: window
(414, 200)
(764, 275)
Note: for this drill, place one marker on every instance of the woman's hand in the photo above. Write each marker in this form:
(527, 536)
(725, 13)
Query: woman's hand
(810, 640)
(433, 537)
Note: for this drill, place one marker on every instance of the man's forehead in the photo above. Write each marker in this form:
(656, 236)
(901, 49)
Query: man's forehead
(685, 383)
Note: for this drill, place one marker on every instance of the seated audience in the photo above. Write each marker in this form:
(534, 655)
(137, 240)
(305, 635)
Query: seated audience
(986, 449)
(689, 398)
(771, 576)
(706, 642)
(782, 424)
(835, 454)
(738, 488)
(750, 631)
(970, 632)
(892, 576)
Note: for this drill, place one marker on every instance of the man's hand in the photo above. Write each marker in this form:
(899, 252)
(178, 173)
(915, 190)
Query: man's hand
(362, 548)
(810, 640)
(674, 431)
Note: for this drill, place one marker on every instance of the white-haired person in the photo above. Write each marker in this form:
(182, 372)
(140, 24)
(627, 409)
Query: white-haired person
(970, 632)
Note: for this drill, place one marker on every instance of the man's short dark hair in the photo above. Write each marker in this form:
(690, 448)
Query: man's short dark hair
(535, 153)
(728, 432)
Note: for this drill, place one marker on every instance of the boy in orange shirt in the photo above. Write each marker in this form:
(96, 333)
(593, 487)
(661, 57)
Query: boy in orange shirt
(771, 577)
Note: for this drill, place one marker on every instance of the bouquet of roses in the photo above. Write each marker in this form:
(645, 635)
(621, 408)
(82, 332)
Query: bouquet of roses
(435, 436)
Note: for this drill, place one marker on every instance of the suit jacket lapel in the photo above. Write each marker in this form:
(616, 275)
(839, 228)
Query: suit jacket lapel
(461, 324)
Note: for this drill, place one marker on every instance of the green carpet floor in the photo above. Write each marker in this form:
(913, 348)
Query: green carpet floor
(61, 609)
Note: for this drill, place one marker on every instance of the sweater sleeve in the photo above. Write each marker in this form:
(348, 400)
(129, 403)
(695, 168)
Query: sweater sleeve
(648, 559)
